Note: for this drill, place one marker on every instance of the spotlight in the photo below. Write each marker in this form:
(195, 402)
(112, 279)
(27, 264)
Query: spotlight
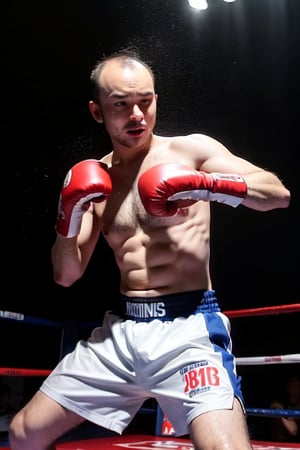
(198, 4)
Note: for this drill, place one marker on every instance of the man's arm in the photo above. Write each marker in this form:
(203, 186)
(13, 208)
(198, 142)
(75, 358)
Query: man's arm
(213, 174)
(77, 226)
(70, 256)
(265, 191)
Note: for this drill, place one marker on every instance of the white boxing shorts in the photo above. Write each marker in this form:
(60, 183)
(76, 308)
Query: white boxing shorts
(175, 348)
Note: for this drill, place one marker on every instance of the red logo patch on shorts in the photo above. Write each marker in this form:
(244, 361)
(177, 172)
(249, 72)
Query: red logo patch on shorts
(199, 377)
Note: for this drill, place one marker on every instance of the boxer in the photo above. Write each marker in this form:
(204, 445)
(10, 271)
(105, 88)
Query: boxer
(165, 337)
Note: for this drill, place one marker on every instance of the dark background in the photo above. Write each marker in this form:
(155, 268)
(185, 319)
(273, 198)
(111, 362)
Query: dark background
(231, 71)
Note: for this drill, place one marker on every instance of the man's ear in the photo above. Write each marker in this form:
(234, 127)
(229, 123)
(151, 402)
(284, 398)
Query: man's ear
(95, 111)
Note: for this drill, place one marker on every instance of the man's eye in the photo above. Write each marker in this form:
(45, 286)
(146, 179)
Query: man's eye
(120, 104)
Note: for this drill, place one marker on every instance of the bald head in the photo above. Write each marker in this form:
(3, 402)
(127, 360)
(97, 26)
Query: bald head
(105, 71)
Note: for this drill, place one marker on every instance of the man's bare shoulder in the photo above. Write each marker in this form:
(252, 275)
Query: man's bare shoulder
(182, 137)
(191, 140)
(198, 139)
(195, 147)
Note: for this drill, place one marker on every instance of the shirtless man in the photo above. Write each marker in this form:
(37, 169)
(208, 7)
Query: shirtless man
(167, 339)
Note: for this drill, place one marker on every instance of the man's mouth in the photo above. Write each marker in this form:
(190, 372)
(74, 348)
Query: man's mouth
(136, 131)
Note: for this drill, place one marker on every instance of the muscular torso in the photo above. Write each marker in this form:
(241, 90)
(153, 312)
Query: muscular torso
(155, 256)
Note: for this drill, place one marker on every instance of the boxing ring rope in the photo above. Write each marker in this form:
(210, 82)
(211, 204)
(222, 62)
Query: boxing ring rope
(10, 315)
(242, 361)
(17, 372)
(262, 360)
(265, 311)
(278, 359)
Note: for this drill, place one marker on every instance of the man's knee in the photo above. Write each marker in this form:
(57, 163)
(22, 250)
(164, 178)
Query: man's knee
(16, 432)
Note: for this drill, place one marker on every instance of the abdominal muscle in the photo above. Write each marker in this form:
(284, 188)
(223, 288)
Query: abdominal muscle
(162, 256)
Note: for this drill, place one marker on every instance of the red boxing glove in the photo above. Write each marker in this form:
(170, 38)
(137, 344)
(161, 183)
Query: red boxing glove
(162, 185)
(85, 182)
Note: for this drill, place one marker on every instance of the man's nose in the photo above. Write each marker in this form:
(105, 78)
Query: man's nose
(136, 114)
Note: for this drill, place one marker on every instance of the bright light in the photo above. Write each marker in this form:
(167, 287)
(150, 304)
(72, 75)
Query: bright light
(198, 4)
(202, 4)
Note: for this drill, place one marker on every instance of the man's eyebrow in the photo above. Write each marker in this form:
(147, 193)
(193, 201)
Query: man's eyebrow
(139, 94)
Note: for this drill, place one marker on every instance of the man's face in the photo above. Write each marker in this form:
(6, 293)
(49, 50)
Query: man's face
(127, 103)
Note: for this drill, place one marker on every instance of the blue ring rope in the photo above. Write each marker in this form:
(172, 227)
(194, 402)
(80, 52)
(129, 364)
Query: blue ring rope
(273, 412)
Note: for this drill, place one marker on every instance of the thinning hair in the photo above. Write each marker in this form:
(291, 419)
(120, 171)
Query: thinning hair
(127, 58)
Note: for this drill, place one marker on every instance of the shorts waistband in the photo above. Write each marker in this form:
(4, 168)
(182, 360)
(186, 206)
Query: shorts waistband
(167, 307)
